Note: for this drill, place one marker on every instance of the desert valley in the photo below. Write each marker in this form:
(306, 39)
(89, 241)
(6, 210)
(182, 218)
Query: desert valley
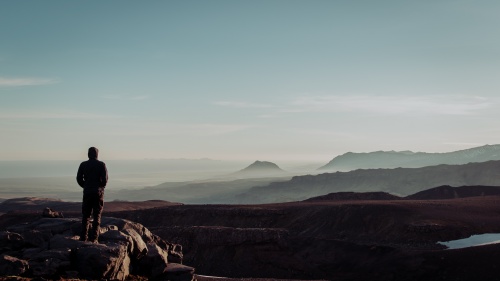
(389, 222)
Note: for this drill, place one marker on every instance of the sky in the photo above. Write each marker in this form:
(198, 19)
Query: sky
(273, 80)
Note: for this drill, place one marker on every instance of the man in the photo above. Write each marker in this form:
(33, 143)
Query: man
(92, 176)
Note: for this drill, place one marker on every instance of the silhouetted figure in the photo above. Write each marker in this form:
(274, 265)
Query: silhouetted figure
(92, 177)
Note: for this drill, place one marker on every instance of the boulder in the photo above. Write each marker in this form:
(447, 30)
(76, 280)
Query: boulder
(139, 248)
(60, 241)
(35, 238)
(50, 263)
(154, 263)
(10, 241)
(98, 261)
(12, 266)
(175, 254)
(117, 236)
(49, 213)
(177, 272)
(122, 224)
(27, 253)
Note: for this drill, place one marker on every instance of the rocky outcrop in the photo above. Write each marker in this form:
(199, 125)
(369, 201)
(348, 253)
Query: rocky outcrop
(49, 248)
(49, 213)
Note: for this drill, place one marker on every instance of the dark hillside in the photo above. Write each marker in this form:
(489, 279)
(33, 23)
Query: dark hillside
(449, 192)
(340, 240)
(344, 196)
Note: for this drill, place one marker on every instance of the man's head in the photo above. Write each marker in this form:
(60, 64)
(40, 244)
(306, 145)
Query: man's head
(93, 152)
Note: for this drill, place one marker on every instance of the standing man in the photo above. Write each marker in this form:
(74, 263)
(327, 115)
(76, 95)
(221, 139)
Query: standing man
(92, 177)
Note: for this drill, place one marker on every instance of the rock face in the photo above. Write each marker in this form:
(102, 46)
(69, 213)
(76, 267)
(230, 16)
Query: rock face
(251, 251)
(49, 248)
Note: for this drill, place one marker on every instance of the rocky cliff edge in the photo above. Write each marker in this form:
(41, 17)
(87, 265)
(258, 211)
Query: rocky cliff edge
(49, 248)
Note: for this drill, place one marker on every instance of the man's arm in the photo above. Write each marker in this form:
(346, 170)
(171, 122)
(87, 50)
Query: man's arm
(79, 176)
(104, 175)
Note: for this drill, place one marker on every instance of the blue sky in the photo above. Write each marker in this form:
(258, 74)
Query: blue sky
(269, 80)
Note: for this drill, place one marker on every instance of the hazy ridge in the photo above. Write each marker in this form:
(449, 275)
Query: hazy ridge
(399, 181)
(408, 159)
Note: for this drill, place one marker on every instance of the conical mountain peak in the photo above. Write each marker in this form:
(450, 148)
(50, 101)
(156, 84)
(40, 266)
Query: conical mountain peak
(263, 166)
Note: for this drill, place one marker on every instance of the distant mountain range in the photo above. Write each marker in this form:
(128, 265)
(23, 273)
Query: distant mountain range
(221, 189)
(399, 181)
(254, 190)
(408, 159)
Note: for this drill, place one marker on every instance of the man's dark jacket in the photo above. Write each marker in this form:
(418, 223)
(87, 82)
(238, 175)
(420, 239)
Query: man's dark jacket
(92, 174)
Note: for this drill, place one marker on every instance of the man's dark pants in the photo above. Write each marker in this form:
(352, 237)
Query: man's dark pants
(93, 203)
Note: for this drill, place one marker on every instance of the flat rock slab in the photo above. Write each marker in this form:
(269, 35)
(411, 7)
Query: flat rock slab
(178, 272)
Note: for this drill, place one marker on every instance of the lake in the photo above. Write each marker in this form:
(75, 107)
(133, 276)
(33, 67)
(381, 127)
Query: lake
(474, 240)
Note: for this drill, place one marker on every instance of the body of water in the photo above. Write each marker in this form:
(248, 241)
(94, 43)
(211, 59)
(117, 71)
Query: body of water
(474, 240)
